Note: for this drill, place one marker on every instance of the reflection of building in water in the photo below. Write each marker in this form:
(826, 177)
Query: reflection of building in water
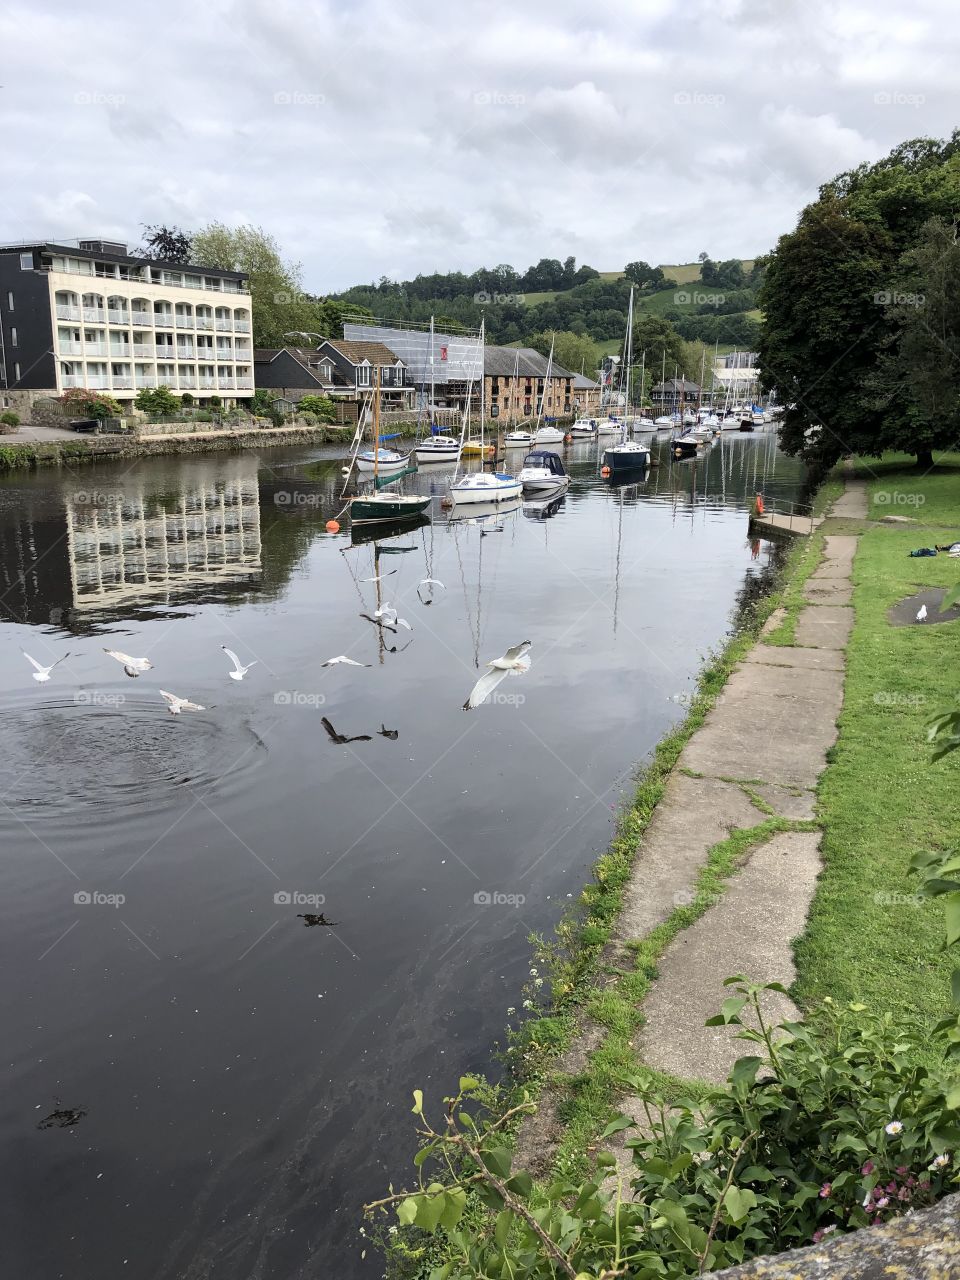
(125, 547)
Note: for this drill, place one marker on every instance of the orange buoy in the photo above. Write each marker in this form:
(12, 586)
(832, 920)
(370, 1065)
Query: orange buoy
(605, 472)
(446, 504)
(333, 526)
(759, 504)
(568, 438)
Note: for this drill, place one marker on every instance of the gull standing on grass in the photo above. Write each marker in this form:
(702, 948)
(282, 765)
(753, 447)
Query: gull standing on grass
(239, 670)
(42, 674)
(175, 705)
(132, 666)
(513, 663)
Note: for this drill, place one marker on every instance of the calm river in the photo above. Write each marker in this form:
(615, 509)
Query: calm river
(198, 1083)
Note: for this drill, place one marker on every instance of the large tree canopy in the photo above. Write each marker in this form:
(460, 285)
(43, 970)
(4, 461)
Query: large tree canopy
(840, 301)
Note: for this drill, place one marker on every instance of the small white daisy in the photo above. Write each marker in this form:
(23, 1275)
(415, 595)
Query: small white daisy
(893, 1128)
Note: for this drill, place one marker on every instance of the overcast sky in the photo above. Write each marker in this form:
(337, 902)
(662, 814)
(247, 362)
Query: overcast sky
(387, 137)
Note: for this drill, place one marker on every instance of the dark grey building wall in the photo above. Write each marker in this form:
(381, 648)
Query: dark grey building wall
(33, 322)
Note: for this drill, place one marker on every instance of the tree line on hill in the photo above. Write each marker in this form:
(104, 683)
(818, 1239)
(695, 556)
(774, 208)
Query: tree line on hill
(862, 310)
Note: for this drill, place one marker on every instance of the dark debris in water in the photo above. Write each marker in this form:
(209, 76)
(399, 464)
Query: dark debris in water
(311, 918)
(63, 1118)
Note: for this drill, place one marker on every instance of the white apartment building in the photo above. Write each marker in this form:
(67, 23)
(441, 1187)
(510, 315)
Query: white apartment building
(90, 315)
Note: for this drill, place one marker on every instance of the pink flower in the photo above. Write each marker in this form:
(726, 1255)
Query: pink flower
(904, 1193)
(883, 1202)
(825, 1191)
(901, 1169)
(868, 1168)
(823, 1231)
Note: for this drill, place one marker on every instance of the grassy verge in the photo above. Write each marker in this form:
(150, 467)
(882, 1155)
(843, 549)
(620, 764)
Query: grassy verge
(869, 937)
(896, 487)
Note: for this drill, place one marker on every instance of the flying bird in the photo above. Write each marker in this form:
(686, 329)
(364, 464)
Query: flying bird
(175, 705)
(341, 739)
(392, 734)
(239, 670)
(390, 617)
(384, 626)
(921, 616)
(332, 662)
(432, 582)
(42, 674)
(380, 576)
(514, 662)
(132, 666)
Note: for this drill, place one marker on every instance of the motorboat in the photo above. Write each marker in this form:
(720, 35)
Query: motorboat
(610, 426)
(543, 472)
(628, 455)
(703, 432)
(582, 427)
(477, 449)
(485, 486)
(518, 438)
(641, 425)
(665, 420)
(686, 445)
(689, 418)
(548, 435)
(730, 422)
(438, 448)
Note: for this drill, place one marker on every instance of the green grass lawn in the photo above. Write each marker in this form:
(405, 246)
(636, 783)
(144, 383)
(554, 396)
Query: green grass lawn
(881, 799)
(896, 487)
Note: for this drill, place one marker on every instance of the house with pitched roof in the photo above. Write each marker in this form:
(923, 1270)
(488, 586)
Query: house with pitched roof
(343, 370)
(516, 382)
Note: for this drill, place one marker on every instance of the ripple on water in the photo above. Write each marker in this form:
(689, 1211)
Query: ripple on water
(64, 754)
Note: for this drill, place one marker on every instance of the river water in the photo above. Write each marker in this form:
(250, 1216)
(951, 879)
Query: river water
(199, 1083)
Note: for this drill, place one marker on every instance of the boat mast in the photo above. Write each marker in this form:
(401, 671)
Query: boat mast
(703, 363)
(543, 397)
(433, 394)
(376, 426)
(483, 387)
(628, 360)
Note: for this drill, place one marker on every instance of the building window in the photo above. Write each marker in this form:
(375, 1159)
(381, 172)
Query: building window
(26, 262)
(363, 375)
(10, 300)
(16, 373)
(13, 337)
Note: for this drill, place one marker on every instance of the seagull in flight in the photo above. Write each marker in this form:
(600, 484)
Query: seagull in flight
(132, 666)
(341, 739)
(42, 674)
(384, 626)
(390, 618)
(392, 734)
(430, 583)
(921, 617)
(332, 662)
(175, 705)
(514, 662)
(380, 576)
(239, 670)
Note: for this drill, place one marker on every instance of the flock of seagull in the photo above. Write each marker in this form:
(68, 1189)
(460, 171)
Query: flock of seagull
(515, 661)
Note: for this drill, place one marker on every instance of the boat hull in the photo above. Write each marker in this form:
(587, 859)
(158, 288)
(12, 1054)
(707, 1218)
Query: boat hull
(482, 487)
(383, 466)
(394, 506)
(549, 435)
(621, 462)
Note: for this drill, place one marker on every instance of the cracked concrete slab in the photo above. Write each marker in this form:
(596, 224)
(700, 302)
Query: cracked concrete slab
(827, 591)
(788, 802)
(782, 655)
(824, 626)
(750, 931)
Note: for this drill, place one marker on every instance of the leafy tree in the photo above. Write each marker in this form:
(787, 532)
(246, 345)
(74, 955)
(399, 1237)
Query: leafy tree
(570, 350)
(321, 406)
(166, 244)
(830, 304)
(657, 342)
(158, 402)
(644, 276)
(81, 403)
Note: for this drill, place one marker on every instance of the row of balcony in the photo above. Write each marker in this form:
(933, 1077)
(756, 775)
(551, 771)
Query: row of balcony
(145, 275)
(147, 351)
(152, 319)
(94, 382)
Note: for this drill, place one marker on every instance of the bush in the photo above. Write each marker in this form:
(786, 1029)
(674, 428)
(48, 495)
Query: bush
(216, 402)
(80, 403)
(322, 407)
(831, 1128)
(158, 402)
(307, 418)
(186, 400)
(10, 419)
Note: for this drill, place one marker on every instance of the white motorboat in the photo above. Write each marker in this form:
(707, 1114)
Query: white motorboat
(665, 420)
(438, 449)
(384, 462)
(582, 427)
(543, 472)
(610, 427)
(548, 435)
(517, 439)
(689, 418)
(730, 422)
(485, 486)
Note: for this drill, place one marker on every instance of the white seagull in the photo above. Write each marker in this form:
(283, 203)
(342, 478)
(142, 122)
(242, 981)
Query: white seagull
(389, 616)
(132, 666)
(239, 670)
(42, 674)
(175, 705)
(513, 663)
(332, 662)
(922, 613)
(380, 576)
(430, 583)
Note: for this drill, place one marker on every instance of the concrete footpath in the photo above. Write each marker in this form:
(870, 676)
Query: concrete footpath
(767, 736)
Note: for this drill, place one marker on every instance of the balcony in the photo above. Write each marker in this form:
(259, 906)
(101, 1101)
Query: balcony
(143, 318)
(242, 326)
(117, 317)
(69, 348)
(225, 355)
(119, 350)
(187, 384)
(185, 322)
(186, 353)
(204, 322)
(67, 313)
(93, 315)
(95, 349)
(208, 384)
(227, 383)
(224, 323)
(162, 320)
(73, 380)
(245, 384)
(146, 380)
(122, 383)
(143, 350)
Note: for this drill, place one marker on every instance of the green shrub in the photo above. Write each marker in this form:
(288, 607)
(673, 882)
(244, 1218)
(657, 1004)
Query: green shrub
(322, 407)
(158, 402)
(307, 418)
(830, 1128)
(10, 419)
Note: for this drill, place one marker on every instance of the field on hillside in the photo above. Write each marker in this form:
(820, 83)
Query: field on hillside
(684, 273)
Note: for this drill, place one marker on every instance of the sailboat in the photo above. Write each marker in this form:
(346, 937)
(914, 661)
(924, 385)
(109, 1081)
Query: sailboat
(628, 455)
(439, 447)
(482, 486)
(368, 507)
(547, 434)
